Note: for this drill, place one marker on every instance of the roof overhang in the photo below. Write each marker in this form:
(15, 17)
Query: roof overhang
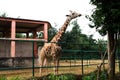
(22, 25)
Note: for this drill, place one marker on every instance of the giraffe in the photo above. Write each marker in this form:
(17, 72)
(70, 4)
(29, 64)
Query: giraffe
(52, 51)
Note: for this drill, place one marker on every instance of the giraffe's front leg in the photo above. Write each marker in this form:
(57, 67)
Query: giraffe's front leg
(56, 64)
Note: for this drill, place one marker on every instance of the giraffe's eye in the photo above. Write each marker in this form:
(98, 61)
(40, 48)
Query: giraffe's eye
(67, 15)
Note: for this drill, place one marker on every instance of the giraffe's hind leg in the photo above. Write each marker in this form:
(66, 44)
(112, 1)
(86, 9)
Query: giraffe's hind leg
(46, 65)
(41, 66)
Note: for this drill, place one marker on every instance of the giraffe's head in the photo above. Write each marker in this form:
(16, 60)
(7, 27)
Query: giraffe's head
(73, 15)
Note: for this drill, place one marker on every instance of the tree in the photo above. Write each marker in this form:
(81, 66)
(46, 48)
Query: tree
(51, 33)
(3, 15)
(105, 18)
(74, 39)
(19, 35)
(75, 33)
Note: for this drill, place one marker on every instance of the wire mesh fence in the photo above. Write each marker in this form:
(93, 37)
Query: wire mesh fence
(25, 63)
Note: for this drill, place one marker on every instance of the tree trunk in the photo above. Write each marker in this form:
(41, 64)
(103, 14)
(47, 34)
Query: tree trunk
(111, 55)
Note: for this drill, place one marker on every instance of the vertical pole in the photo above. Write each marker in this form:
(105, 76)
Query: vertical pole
(87, 62)
(82, 64)
(13, 31)
(75, 58)
(119, 50)
(46, 32)
(33, 58)
(35, 43)
(119, 65)
(27, 35)
(70, 62)
(69, 58)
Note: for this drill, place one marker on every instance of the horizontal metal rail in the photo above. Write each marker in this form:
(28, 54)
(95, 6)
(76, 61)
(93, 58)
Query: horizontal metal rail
(81, 51)
(18, 68)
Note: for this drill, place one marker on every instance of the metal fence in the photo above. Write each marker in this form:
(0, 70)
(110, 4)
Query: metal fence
(72, 61)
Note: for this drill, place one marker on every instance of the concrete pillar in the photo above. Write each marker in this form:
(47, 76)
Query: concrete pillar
(35, 43)
(46, 32)
(13, 34)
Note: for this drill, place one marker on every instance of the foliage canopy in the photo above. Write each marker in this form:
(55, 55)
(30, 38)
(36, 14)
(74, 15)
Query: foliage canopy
(106, 16)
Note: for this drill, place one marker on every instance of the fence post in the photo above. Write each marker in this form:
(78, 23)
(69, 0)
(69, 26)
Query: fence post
(33, 59)
(70, 61)
(82, 63)
(119, 65)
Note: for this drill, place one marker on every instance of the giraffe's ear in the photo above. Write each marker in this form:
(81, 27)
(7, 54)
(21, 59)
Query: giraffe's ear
(71, 11)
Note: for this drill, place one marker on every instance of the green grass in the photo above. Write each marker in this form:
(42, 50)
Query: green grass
(61, 77)
(3, 77)
(48, 77)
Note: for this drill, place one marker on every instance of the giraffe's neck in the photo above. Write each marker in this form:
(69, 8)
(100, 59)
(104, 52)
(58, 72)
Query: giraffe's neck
(62, 30)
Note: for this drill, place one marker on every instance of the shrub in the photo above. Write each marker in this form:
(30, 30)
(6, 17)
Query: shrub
(3, 77)
(61, 77)
(93, 76)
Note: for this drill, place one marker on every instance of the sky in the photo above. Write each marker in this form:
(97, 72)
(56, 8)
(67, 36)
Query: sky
(53, 11)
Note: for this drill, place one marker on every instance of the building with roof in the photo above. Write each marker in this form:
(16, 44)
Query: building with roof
(12, 47)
